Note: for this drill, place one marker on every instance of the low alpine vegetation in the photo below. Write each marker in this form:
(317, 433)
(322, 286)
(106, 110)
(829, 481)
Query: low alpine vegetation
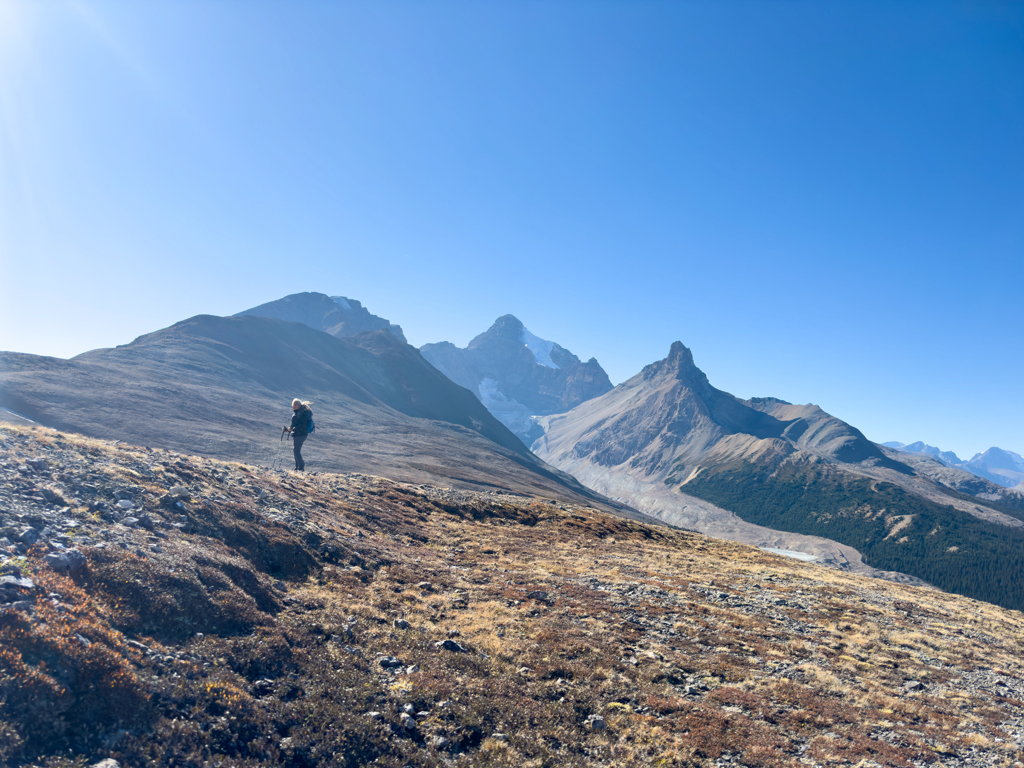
(223, 614)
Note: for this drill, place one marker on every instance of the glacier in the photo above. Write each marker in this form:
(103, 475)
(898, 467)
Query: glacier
(540, 348)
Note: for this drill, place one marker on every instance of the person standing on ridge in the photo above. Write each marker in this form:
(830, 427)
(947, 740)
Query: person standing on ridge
(302, 418)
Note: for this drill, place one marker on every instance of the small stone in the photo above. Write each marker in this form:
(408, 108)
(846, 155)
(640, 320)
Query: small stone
(390, 662)
(523, 670)
(412, 670)
(374, 715)
(69, 561)
(401, 624)
(426, 586)
(407, 722)
(913, 685)
(538, 594)
(438, 742)
(16, 581)
(179, 493)
(28, 536)
(131, 522)
(108, 763)
(595, 723)
(449, 645)
(499, 737)
(280, 586)
(408, 709)
(125, 504)
(52, 496)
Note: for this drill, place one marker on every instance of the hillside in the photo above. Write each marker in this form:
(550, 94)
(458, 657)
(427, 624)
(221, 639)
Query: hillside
(222, 387)
(785, 476)
(176, 610)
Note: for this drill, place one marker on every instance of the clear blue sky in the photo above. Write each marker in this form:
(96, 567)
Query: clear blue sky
(825, 201)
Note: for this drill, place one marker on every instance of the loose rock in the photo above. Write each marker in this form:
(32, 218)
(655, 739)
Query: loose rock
(450, 645)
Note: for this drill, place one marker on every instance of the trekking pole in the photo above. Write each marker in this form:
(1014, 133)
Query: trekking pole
(279, 458)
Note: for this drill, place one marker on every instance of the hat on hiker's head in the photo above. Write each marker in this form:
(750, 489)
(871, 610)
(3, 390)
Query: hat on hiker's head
(295, 402)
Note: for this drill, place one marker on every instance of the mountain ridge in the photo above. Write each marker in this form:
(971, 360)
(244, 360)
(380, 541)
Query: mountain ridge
(337, 315)
(221, 387)
(998, 465)
(667, 442)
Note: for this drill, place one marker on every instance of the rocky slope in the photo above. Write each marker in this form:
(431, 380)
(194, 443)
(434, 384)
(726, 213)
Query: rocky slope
(336, 315)
(519, 376)
(223, 387)
(164, 609)
(783, 476)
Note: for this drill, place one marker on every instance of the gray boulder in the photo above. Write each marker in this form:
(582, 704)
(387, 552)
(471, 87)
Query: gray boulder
(449, 645)
(71, 561)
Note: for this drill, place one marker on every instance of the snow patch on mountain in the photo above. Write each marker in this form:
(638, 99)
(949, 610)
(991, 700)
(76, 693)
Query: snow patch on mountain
(540, 348)
(342, 302)
(807, 558)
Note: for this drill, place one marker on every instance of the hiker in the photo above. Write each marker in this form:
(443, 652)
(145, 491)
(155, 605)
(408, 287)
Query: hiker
(302, 418)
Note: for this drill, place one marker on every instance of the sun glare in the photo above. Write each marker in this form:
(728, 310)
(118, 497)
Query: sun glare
(13, 29)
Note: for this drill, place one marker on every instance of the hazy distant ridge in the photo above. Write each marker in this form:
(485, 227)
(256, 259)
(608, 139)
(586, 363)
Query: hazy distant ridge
(996, 464)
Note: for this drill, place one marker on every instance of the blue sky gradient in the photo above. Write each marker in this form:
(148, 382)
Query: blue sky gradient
(825, 201)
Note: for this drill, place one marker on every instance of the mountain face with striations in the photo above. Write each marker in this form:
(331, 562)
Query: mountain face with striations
(1005, 468)
(785, 477)
(335, 315)
(518, 376)
(222, 387)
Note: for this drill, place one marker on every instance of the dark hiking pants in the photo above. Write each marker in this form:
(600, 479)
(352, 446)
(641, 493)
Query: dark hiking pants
(297, 441)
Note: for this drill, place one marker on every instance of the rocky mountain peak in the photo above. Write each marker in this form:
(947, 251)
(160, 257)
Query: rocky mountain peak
(506, 326)
(339, 316)
(518, 375)
(679, 365)
(997, 458)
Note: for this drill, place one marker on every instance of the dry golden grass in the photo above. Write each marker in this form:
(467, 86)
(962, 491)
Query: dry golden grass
(691, 649)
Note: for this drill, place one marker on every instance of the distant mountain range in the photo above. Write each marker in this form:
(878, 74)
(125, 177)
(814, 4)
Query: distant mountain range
(670, 444)
(519, 376)
(785, 477)
(996, 464)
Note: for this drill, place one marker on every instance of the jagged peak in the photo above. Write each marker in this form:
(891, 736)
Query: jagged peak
(680, 365)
